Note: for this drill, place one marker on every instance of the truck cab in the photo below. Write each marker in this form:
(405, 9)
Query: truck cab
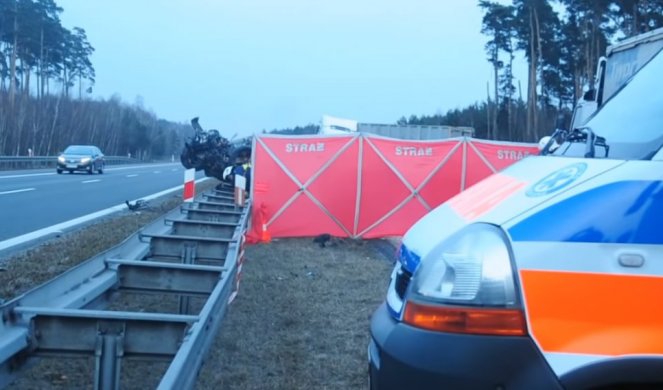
(621, 62)
(546, 275)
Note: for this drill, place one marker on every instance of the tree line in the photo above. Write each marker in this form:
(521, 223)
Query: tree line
(41, 63)
(33, 42)
(47, 125)
(46, 76)
(562, 41)
(297, 130)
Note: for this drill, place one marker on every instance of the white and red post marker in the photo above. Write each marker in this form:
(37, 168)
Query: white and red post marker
(189, 185)
(240, 190)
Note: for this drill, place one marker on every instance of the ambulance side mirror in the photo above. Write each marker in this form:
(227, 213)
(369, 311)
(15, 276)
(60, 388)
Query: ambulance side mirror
(543, 142)
(548, 144)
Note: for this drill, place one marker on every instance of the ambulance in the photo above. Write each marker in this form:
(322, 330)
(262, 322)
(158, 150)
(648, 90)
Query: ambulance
(546, 275)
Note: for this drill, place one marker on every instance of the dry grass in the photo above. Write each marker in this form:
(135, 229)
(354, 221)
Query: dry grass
(32, 267)
(40, 264)
(301, 319)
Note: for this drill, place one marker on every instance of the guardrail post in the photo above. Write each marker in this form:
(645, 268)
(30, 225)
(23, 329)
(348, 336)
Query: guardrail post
(108, 356)
(187, 258)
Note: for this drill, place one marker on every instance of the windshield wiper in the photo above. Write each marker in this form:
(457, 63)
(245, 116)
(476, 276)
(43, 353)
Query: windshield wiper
(586, 134)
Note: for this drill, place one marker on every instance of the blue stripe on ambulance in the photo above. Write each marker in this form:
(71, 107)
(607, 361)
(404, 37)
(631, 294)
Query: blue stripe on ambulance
(632, 215)
(408, 259)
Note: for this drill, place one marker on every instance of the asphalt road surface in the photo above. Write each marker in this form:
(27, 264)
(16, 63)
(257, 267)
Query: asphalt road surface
(35, 199)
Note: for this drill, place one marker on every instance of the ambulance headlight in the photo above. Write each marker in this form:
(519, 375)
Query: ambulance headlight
(471, 268)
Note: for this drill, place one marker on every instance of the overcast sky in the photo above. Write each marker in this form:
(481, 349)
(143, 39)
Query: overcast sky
(248, 65)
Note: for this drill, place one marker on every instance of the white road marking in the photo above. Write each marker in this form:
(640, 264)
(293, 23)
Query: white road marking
(17, 191)
(90, 181)
(26, 175)
(157, 171)
(115, 168)
(71, 223)
(120, 168)
(134, 175)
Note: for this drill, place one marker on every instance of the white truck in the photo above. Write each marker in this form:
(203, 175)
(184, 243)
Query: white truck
(621, 62)
(333, 125)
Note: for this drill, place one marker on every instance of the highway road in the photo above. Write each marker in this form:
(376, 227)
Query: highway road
(34, 199)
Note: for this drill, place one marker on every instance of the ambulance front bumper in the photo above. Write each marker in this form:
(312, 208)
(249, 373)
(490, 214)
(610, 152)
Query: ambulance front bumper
(403, 357)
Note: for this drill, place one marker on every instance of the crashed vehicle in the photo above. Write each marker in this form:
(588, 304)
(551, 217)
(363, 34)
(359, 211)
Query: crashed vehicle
(210, 152)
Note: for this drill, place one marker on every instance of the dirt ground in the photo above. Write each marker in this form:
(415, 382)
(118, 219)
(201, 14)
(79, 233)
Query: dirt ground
(300, 321)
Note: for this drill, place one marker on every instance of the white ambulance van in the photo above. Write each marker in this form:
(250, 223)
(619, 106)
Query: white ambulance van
(547, 275)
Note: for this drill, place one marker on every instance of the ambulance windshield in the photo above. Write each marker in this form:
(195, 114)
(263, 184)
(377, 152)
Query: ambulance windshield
(631, 122)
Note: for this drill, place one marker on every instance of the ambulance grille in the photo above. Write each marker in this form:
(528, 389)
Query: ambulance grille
(402, 281)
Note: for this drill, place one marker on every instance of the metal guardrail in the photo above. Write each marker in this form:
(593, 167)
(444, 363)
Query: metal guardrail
(46, 162)
(179, 255)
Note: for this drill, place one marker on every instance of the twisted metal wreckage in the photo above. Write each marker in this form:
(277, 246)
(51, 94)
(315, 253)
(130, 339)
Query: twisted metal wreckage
(207, 150)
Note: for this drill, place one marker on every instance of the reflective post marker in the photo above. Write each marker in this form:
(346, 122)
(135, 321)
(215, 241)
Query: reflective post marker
(240, 190)
(189, 185)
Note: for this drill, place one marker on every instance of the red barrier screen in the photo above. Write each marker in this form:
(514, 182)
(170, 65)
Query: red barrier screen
(363, 186)
(393, 175)
(487, 157)
(305, 186)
